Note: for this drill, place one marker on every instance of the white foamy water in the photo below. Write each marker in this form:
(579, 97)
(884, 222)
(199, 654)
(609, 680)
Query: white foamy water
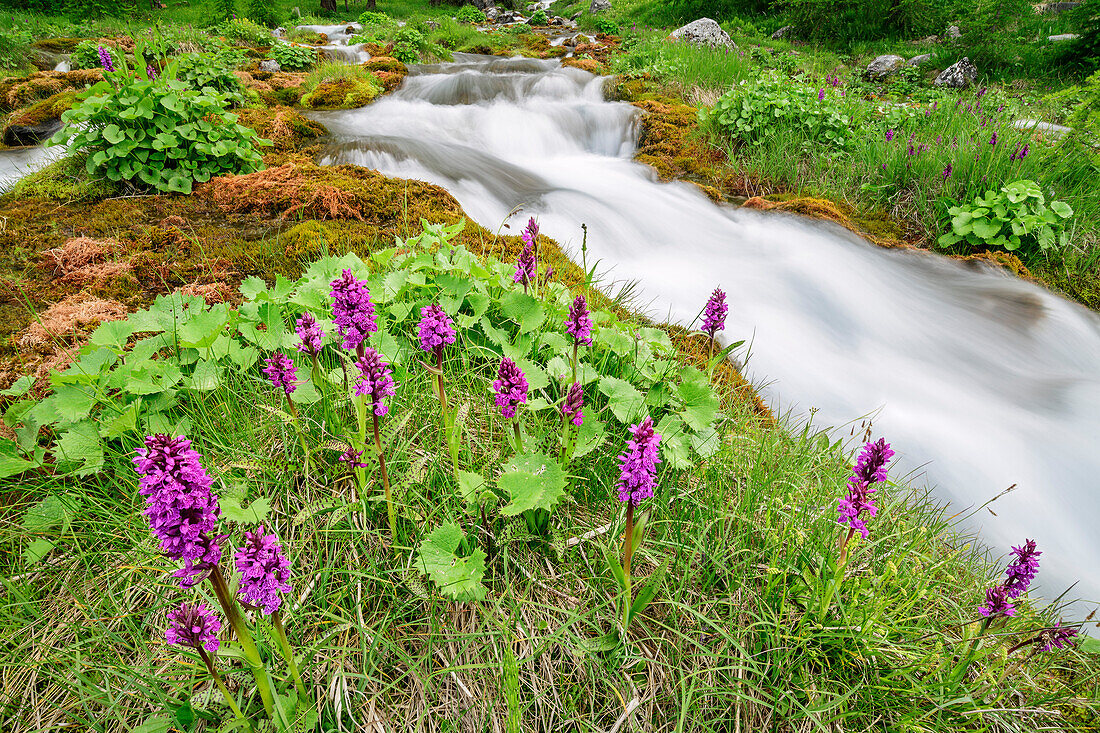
(979, 379)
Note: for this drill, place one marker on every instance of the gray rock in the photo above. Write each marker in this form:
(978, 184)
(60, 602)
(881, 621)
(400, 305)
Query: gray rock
(704, 32)
(271, 66)
(279, 32)
(1055, 8)
(1040, 126)
(924, 58)
(952, 32)
(575, 15)
(296, 12)
(884, 66)
(599, 6)
(1063, 37)
(783, 32)
(20, 135)
(491, 14)
(433, 25)
(959, 75)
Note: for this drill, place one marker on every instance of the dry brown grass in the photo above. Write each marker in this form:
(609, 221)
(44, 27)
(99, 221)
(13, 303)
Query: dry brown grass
(79, 253)
(65, 321)
(286, 191)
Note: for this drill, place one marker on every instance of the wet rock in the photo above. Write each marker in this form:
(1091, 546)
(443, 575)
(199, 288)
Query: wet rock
(924, 58)
(598, 6)
(1039, 126)
(1063, 37)
(704, 32)
(491, 14)
(20, 135)
(44, 60)
(431, 25)
(271, 66)
(784, 32)
(279, 32)
(884, 67)
(952, 32)
(575, 15)
(959, 75)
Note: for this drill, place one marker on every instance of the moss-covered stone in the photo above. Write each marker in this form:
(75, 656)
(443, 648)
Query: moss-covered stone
(284, 127)
(345, 93)
(592, 66)
(65, 181)
(57, 45)
(16, 92)
(386, 63)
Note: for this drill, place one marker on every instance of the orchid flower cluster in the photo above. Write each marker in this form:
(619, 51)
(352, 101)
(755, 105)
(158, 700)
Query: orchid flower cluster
(527, 264)
(183, 514)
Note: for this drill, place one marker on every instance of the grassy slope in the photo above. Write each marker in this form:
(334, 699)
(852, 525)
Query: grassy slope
(728, 645)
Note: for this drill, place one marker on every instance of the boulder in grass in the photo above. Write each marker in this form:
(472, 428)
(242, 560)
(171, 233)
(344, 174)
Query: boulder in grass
(924, 58)
(271, 66)
(884, 67)
(599, 6)
(958, 75)
(952, 32)
(784, 32)
(704, 32)
(1063, 37)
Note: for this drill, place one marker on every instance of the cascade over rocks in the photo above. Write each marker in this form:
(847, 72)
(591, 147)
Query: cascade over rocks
(884, 66)
(704, 32)
(959, 75)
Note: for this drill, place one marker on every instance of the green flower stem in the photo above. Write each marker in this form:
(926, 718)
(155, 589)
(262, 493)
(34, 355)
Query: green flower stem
(710, 357)
(361, 444)
(519, 436)
(301, 435)
(221, 685)
(960, 671)
(576, 346)
(255, 662)
(838, 576)
(628, 553)
(448, 424)
(288, 653)
(385, 482)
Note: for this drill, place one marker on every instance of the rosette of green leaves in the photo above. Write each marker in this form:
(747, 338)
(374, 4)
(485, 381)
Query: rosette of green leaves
(292, 57)
(209, 71)
(1015, 217)
(158, 134)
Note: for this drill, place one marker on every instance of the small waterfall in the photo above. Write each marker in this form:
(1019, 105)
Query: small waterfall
(980, 380)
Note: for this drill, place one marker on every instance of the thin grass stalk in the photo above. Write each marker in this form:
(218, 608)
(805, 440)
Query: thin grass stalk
(390, 510)
(288, 653)
(221, 685)
(251, 652)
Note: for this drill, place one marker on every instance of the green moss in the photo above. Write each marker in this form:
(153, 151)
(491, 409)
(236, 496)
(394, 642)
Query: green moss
(57, 45)
(65, 181)
(345, 93)
(47, 109)
(386, 63)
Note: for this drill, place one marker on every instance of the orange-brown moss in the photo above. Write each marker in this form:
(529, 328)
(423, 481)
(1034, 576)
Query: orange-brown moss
(64, 322)
(592, 66)
(386, 63)
(284, 127)
(16, 92)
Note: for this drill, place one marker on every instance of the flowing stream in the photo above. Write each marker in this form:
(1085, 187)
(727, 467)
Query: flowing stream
(979, 380)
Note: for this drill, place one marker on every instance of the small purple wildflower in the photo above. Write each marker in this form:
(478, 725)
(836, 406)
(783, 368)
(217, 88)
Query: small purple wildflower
(181, 510)
(993, 140)
(282, 372)
(510, 387)
(309, 334)
(1024, 151)
(525, 266)
(579, 323)
(151, 72)
(821, 94)
(531, 232)
(947, 171)
(638, 463)
(352, 309)
(375, 380)
(351, 457)
(574, 401)
(870, 469)
(193, 625)
(105, 59)
(997, 603)
(1023, 569)
(1057, 636)
(714, 315)
(436, 329)
(264, 570)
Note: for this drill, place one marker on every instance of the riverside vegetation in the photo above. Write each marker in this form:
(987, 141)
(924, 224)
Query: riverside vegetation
(292, 448)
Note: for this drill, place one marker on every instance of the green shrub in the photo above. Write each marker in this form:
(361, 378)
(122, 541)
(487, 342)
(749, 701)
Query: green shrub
(293, 58)
(244, 30)
(14, 50)
(751, 111)
(407, 45)
(208, 71)
(538, 18)
(1082, 53)
(470, 14)
(86, 55)
(263, 12)
(1014, 218)
(224, 9)
(158, 134)
(371, 19)
(602, 25)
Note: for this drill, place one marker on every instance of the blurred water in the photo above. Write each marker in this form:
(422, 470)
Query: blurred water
(981, 380)
(15, 163)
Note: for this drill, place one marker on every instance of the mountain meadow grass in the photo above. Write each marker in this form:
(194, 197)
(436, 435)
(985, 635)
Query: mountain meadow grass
(750, 626)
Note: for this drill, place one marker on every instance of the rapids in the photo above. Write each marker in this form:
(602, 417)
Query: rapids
(978, 379)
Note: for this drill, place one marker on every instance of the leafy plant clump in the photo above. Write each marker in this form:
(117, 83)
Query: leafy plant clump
(538, 17)
(407, 45)
(86, 55)
(469, 14)
(208, 71)
(293, 57)
(1015, 217)
(372, 19)
(606, 26)
(245, 31)
(752, 111)
(158, 133)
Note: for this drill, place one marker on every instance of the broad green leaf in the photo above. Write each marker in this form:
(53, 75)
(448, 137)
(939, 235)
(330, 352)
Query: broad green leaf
(51, 513)
(112, 334)
(532, 481)
(700, 402)
(19, 388)
(524, 309)
(614, 339)
(590, 436)
(158, 724)
(536, 376)
(985, 228)
(73, 403)
(474, 489)
(35, 551)
(81, 444)
(675, 448)
(457, 577)
(243, 356)
(114, 425)
(306, 393)
(11, 462)
(626, 402)
(269, 332)
(203, 327)
(207, 376)
(1061, 208)
(705, 443)
(153, 377)
(254, 513)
